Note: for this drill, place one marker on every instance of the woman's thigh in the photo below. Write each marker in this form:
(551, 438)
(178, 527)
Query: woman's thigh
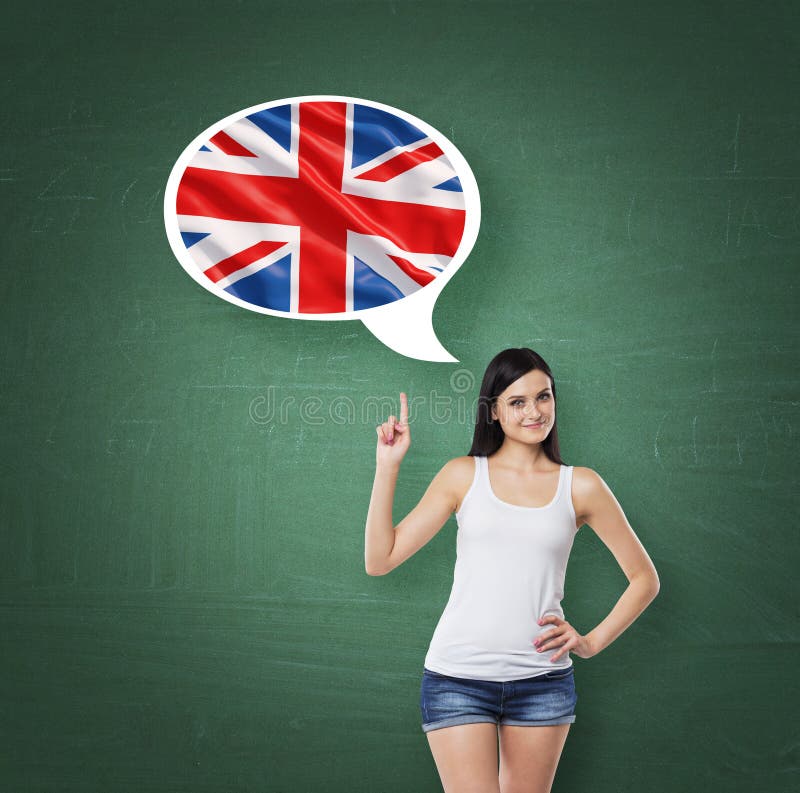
(466, 757)
(529, 757)
(460, 718)
(537, 715)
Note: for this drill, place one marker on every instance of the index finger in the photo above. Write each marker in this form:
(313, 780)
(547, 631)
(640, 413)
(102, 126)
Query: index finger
(403, 408)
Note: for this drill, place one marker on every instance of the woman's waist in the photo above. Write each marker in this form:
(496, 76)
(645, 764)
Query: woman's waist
(513, 628)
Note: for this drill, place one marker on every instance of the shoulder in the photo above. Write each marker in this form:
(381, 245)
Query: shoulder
(584, 479)
(459, 470)
(587, 487)
(456, 476)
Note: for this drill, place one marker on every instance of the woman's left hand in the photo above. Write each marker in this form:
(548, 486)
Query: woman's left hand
(563, 636)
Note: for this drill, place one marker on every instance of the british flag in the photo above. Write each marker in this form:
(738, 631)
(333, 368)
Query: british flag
(318, 207)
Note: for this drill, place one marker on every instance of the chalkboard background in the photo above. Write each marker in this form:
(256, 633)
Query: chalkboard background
(184, 483)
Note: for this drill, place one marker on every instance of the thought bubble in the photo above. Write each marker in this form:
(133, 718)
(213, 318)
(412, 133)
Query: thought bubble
(326, 208)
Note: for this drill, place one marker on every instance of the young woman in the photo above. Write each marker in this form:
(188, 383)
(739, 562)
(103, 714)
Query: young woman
(499, 665)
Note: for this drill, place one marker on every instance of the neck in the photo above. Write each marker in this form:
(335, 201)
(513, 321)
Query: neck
(522, 456)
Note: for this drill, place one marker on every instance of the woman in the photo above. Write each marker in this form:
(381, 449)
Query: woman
(499, 663)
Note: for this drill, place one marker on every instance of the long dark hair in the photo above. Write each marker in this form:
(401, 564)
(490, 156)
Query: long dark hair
(506, 367)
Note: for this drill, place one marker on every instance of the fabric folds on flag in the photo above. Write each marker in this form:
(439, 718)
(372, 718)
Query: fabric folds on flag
(320, 207)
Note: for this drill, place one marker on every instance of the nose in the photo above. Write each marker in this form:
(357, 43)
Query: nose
(532, 411)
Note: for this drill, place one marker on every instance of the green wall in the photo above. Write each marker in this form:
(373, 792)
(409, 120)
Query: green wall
(183, 601)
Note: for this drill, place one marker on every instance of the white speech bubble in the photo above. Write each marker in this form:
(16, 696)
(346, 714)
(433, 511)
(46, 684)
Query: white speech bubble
(229, 230)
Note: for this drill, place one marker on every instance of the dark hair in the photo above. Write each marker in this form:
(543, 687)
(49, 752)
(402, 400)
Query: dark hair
(506, 367)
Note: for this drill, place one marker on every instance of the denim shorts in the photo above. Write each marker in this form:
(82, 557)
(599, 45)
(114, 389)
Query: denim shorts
(547, 698)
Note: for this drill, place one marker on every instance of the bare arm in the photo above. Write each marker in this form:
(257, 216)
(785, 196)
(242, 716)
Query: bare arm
(387, 546)
(379, 537)
(601, 510)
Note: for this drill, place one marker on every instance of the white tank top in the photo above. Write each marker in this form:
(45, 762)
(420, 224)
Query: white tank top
(509, 572)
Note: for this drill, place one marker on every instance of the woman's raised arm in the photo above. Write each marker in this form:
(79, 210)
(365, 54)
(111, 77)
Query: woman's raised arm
(387, 546)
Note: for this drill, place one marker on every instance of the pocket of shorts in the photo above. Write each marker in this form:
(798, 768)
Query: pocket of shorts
(558, 674)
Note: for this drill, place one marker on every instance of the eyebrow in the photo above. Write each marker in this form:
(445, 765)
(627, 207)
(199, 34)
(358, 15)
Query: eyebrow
(522, 396)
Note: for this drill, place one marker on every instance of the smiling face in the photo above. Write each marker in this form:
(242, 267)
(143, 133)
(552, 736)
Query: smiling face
(526, 410)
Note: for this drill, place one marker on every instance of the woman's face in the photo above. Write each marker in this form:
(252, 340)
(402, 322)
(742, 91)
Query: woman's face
(526, 410)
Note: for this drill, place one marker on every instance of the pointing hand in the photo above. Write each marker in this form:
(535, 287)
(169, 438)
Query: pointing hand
(394, 437)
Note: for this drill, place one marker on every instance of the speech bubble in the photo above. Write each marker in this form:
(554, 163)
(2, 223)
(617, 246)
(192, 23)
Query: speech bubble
(326, 208)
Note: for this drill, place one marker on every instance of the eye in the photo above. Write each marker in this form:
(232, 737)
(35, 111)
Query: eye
(515, 402)
(545, 396)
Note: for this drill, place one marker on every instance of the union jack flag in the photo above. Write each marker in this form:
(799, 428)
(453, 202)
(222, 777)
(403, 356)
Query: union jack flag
(320, 207)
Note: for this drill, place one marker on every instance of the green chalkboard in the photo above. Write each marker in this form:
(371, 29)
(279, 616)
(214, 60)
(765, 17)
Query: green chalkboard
(184, 483)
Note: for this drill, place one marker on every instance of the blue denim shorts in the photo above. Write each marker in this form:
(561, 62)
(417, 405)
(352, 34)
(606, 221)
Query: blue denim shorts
(547, 698)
